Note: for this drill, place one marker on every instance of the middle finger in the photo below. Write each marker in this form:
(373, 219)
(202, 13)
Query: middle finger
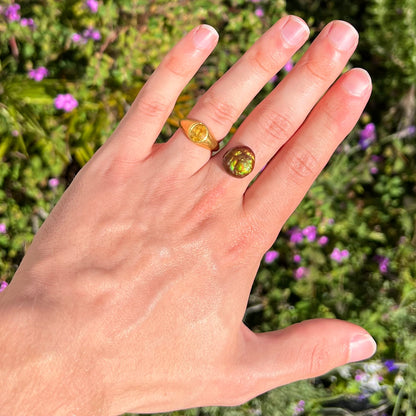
(272, 123)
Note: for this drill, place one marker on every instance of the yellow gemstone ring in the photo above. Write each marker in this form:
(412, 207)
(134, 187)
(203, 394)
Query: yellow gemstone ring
(199, 134)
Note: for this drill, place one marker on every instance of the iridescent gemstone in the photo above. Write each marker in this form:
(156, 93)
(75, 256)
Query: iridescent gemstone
(239, 161)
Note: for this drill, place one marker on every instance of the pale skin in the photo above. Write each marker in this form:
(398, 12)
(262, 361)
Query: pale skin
(132, 294)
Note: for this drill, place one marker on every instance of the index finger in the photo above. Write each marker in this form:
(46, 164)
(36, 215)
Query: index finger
(142, 124)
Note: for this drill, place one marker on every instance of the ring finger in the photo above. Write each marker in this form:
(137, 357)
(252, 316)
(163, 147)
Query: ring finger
(279, 116)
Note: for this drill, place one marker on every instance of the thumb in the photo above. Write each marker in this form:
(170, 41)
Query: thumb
(304, 350)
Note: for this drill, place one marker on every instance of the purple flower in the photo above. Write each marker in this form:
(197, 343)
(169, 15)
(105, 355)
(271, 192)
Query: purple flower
(27, 22)
(339, 255)
(77, 38)
(273, 79)
(38, 74)
(390, 365)
(323, 240)
(411, 130)
(289, 65)
(92, 5)
(91, 34)
(345, 254)
(359, 375)
(300, 408)
(367, 135)
(96, 35)
(296, 235)
(3, 228)
(12, 12)
(65, 102)
(383, 263)
(259, 12)
(271, 256)
(3, 286)
(300, 273)
(297, 258)
(53, 182)
(310, 232)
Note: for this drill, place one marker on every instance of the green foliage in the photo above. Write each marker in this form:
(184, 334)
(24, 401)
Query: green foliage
(390, 36)
(25, 200)
(364, 202)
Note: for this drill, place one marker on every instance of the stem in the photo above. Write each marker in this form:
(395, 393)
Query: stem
(14, 48)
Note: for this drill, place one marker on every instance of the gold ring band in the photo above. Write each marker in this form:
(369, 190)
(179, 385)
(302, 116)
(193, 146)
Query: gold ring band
(199, 134)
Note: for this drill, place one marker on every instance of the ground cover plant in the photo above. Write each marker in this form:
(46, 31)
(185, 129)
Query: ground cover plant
(70, 69)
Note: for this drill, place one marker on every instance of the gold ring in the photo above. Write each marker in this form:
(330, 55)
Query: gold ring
(199, 134)
(239, 161)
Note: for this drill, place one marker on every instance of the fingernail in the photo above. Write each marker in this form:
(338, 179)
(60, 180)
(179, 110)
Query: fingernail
(357, 82)
(294, 30)
(362, 346)
(343, 36)
(204, 37)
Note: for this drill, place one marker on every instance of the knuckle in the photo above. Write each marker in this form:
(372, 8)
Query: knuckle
(244, 236)
(177, 65)
(334, 116)
(262, 61)
(119, 170)
(319, 359)
(210, 201)
(302, 164)
(320, 69)
(219, 110)
(276, 126)
(331, 127)
(120, 164)
(153, 106)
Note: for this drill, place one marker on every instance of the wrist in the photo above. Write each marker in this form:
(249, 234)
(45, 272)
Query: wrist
(37, 376)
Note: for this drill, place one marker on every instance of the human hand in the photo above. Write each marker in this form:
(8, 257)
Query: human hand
(132, 294)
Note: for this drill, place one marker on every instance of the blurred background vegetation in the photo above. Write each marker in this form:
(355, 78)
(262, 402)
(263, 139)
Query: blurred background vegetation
(348, 251)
